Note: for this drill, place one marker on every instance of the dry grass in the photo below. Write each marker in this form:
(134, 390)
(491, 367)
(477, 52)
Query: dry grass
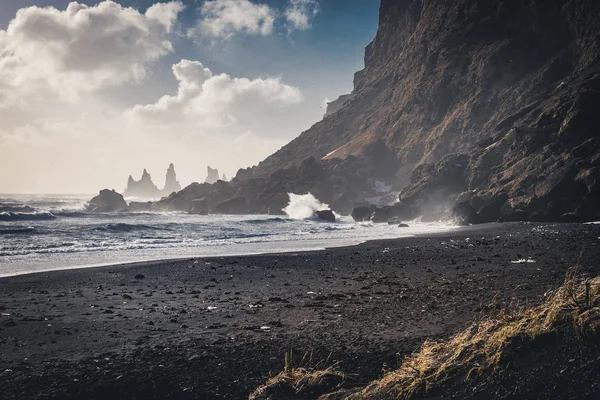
(300, 382)
(574, 307)
(576, 304)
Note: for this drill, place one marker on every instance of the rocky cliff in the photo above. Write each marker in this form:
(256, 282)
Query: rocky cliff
(489, 103)
(337, 104)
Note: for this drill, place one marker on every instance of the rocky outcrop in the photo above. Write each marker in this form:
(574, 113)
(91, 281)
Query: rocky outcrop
(363, 213)
(336, 182)
(336, 105)
(325, 215)
(144, 188)
(107, 201)
(237, 205)
(212, 175)
(171, 183)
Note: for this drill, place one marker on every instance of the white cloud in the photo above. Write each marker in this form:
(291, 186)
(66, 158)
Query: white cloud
(299, 14)
(81, 48)
(215, 101)
(224, 18)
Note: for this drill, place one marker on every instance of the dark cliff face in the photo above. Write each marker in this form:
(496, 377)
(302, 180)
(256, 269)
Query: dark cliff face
(509, 88)
(512, 84)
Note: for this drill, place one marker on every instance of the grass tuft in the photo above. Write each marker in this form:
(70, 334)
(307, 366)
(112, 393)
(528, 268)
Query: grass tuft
(300, 382)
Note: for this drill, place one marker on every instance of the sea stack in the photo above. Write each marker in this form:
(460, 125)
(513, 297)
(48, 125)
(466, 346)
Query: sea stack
(144, 188)
(212, 175)
(171, 183)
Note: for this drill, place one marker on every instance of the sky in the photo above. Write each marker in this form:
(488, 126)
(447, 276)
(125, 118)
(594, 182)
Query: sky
(93, 91)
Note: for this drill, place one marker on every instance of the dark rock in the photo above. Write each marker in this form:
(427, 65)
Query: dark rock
(464, 213)
(491, 210)
(398, 211)
(571, 217)
(515, 216)
(107, 201)
(236, 205)
(140, 276)
(402, 225)
(10, 323)
(326, 215)
(364, 213)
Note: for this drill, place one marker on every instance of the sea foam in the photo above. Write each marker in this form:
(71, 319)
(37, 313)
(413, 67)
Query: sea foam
(303, 206)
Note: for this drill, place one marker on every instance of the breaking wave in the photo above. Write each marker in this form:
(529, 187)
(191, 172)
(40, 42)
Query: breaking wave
(23, 216)
(14, 208)
(303, 206)
(123, 227)
(264, 221)
(17, 230)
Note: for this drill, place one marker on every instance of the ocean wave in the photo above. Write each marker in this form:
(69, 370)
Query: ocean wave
(124, 227)
(16, 208)
(17, 230)
(70, 213)
(23, 216)
(264, 221)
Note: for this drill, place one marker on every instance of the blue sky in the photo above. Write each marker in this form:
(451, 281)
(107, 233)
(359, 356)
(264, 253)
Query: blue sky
(317, 61)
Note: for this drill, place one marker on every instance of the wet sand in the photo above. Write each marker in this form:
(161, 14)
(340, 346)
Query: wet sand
(214, 328)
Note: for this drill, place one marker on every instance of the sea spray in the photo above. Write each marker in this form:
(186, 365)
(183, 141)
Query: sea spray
(303, 206)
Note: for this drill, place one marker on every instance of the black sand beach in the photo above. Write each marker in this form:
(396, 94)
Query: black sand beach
(215, 328)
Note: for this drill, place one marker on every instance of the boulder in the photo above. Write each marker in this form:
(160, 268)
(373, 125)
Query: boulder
(464, 213)
(237, 205)
(107, 201)
(364, 213)
(399, 210)
(491, 210)
(326, 215)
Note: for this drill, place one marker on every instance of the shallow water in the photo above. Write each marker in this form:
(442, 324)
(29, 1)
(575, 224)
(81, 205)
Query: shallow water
(42, 233)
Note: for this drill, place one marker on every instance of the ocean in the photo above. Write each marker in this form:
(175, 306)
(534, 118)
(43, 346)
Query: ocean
(52, 232)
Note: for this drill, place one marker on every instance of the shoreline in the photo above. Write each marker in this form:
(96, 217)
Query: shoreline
(145, 330)
(239, 254)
